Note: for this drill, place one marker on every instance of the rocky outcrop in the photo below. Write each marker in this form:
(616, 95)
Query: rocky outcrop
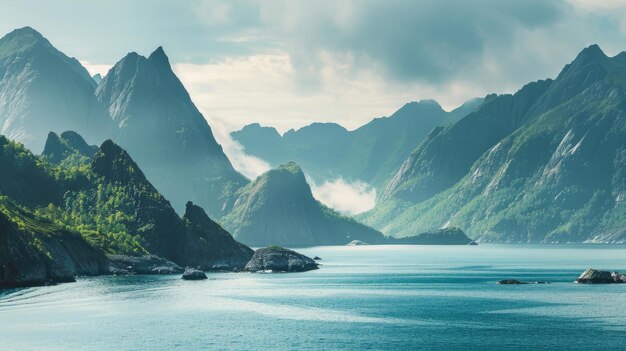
(594, 276)
(278, 259)
(208, 245)
(193, 274)
(40, 253)
(446, 236)
(147, 264)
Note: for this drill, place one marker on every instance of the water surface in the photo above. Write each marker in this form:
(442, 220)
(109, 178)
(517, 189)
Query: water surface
(368, 297)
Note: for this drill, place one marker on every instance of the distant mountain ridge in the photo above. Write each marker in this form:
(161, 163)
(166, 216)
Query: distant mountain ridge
(371, 153)
(546, 164)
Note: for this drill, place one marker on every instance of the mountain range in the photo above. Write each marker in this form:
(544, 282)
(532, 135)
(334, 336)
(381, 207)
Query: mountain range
(546, 164)
(370, 153)
(139, 104)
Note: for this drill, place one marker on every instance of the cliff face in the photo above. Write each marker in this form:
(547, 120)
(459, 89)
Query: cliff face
(34, 251)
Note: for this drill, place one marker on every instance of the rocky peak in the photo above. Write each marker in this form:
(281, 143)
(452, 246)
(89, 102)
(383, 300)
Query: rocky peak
(158, 56)
(197, 218)
(114, 164)
(58, 148)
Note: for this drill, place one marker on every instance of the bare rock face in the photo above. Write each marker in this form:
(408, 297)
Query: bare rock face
(193, 274)
(278, 259)
(594, 276)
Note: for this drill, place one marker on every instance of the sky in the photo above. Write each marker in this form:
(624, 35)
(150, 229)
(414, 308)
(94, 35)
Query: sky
(290, 63)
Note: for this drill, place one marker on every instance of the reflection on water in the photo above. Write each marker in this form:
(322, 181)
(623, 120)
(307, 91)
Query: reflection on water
(380, 297)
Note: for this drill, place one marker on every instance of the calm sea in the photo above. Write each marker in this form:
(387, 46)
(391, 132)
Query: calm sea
(368, 297)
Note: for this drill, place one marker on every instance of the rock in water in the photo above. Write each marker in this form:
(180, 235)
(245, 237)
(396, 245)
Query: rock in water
(193, 274)
(317, 258)
(594, 276)
(147, 264)
(510, 282)
(356, 243)
(278, 259)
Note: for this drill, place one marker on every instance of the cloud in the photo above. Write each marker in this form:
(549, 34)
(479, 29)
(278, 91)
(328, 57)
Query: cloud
(249, 166)
(288, 63)
(345, 197)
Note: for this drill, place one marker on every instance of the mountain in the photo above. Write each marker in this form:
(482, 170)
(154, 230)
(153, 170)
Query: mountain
(163, 130)
(41, 89)
(279, 209)
(546, 164)
(97, 78)
(109, 201)
(370, 153)
(69, 146)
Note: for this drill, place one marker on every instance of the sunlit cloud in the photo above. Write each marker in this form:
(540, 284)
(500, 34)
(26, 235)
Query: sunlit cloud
(348, 198)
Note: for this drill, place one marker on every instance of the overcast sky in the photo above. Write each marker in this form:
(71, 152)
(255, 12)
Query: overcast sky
(289, 63)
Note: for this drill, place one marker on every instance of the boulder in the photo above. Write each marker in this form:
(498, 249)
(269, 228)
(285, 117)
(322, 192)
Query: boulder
(317, 258)
(147, 264)
(193, 274)
(278, 259)
(594, 276)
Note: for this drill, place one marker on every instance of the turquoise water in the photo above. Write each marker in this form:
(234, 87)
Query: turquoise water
(374, 297)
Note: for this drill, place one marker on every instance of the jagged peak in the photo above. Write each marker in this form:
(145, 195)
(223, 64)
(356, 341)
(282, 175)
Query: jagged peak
(591, 53)
(158, 55)
(115, 164)
(196, 214)
(58, 147)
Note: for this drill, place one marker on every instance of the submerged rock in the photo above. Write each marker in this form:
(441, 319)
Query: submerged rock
(518, 282)
(193, 274)
(356, 243)
(147, 264)
(278, 259)
(594, 276)
(510, 282)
